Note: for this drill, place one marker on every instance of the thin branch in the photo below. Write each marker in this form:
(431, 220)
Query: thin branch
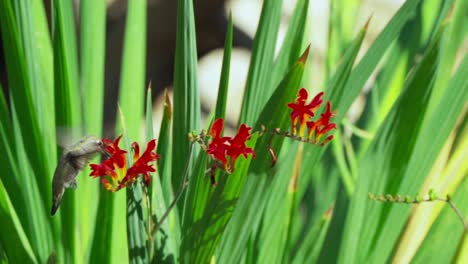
(408, 200)
(179, 192)
(457, 211)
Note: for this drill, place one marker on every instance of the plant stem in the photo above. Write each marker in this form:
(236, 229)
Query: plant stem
(457, 211)
(179, 192)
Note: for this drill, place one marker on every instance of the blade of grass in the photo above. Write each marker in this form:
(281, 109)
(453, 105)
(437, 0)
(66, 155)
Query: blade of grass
(164, 247)
(136, 231)
(337, 87)
(13, 238)
(36, 41)
(224, 79)
(67, 105)
(368, 63)
(132, 105)
(200, 190)
(343, 16)
(252, 200)
(310, 249)
(132, 83)
(21, 93)
(92, 37)
(274, 237)
(293, 42)
(167, 246)
(92, 43)
(164, 148)
(38, 226)
(446, 223)
(23, 108)
(258, 87)
(8, 158)
(440, 122)
(186, 95)
(388, 152)
(209, 208)
(443, 179)
(453, 37)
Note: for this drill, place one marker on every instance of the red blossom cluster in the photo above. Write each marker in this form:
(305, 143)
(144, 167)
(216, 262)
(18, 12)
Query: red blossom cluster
(303, 112)
(223, 149)
(116, 168)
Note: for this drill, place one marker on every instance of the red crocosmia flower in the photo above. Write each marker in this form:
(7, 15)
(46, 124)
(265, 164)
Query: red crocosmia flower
(217, 147)
(237, 145)
(322, 126)
(113, 149)
(224, 148)
(113, 171)
(141, 163)
(301, 111)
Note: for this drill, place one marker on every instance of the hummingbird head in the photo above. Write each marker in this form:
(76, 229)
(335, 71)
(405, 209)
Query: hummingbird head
(92, 143)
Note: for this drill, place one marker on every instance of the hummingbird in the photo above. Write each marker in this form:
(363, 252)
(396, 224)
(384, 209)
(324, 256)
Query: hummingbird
(73, 160)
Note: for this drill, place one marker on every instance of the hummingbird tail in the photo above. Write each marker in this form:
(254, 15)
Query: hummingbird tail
(55, 206)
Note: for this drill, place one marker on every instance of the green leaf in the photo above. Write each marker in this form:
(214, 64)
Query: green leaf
(310, 249)
(446, 223)
(387, 154)
(13, 238)
(164, 149)
(160, 247)
(92, 37)
(8, 158)
(36, 41)
(343, 14)
(35, 191)
(208, 208)
(258, 87)
(255, 189)
(21, 95)
(92, 55)
(274, 237)
(454, 36)
(293, 42)
(37, 222)
(132, 83)
(368, 63)
(104, 228)
(224, 79)
(67, 104)
(440, 122)
(132, 104)
(186, 95)
(136, 232)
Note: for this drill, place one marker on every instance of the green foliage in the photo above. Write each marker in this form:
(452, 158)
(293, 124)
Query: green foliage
(312, 206)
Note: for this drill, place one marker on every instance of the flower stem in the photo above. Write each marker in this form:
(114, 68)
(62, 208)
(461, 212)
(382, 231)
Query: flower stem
(457, 211)
(399, 199)
(179, 192)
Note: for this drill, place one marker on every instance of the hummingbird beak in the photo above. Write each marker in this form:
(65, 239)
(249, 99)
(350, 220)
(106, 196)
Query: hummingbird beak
(104, 151)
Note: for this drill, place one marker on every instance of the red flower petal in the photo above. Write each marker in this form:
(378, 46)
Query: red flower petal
(237, 145)
(301, 111)
(116, 165)
(217, 128)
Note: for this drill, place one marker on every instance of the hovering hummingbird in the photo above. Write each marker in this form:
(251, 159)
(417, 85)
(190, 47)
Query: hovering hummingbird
(73, 160)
